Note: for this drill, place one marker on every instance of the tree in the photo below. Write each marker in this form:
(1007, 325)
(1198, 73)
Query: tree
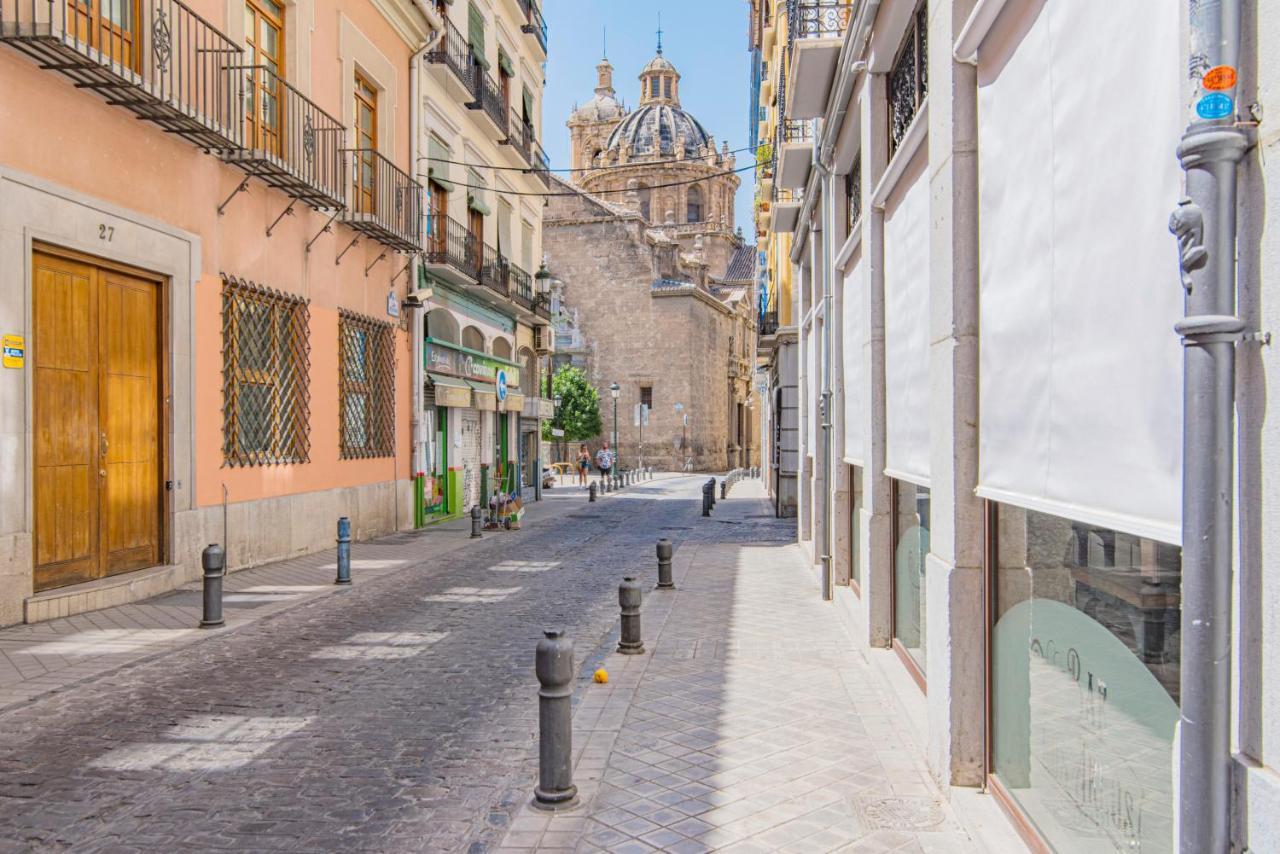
(579, 412)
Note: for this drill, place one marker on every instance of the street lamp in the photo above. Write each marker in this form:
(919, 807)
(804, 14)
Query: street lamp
(614, 391)
(555, 419)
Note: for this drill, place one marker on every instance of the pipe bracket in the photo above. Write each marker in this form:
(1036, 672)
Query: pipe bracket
(1210, 329)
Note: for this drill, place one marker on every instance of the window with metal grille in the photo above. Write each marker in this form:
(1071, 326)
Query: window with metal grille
(646, 395)
(909, 79)
(366, 386)
(266, 362)
(853, 193)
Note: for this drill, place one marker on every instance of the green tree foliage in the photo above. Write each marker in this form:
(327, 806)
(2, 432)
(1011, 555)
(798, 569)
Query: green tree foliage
(579, 412)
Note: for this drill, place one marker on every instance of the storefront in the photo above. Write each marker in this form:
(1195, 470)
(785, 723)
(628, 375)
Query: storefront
(1079, 424)
(469, 430)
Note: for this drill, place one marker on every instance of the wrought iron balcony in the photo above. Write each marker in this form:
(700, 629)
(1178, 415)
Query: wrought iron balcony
(522, 288)
(793, 130)
(815, 32)
(488, 98)
(495, 271)
(157, 58)
(289, 142)
(383, 202)
(454, 52)
(818, 19)
(538, 160)
(534, 23)
(451, 251)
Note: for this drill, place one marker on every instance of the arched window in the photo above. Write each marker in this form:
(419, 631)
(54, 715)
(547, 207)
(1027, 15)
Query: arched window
(441, 325)
(473, 339)
(693, 213)
(502, 348)
(528, 373)
(645, 197)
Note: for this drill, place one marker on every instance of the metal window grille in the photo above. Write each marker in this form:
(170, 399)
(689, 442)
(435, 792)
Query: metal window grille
(853, 191)
(366, 386)
(266, 363)
(909, 79)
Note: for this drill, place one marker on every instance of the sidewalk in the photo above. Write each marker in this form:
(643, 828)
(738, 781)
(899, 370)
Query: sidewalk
(751, 724)
(42, 657)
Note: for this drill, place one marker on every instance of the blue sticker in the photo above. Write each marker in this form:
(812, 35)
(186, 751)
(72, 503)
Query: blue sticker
(502, 385)
(1215, 106)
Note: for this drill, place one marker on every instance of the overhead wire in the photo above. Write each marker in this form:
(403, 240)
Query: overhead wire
(527, 169)
(582, 192)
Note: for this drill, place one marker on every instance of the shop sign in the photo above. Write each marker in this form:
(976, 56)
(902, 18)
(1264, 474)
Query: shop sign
(444, 359)
(15, 351)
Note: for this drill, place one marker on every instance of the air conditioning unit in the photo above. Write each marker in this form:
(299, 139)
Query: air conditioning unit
(544, 339)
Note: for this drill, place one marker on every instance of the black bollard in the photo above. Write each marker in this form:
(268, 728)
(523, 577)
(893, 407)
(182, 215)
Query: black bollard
(214, 561)
(724, 488)
(629, 600)
(344, 551)
(711, 487)
(664, 565)
(591, 492)
(476, 522)
(706, 500)
(553, 662)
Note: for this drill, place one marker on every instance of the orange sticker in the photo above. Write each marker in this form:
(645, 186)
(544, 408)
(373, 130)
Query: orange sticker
(1218, 78)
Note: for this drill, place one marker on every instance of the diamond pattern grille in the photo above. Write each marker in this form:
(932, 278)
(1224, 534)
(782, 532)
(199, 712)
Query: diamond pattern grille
(366, 386)
(266, 363)
(909, 80)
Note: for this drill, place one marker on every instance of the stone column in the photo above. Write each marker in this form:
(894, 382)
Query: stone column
(953, 573)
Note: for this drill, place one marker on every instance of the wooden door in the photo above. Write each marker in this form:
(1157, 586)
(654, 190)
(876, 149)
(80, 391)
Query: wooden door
(97, 437)
(106, 26)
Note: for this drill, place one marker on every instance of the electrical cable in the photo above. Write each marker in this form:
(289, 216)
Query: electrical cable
(580, 192)
(527, 169)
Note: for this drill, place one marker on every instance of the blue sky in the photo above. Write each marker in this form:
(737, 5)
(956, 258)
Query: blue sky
(706, 40)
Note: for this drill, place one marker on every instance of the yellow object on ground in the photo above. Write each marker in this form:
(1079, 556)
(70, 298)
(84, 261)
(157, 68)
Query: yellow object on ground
(602, 676)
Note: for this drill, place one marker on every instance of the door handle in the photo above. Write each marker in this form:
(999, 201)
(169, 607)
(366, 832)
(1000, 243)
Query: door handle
(102, 472)
(102, 444)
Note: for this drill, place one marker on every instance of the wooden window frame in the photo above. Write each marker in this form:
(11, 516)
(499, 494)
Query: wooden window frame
(257, 132)
(366, 197)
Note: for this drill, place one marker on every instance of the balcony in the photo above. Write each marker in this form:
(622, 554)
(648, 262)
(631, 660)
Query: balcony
(289, 142)
(452, 54)
(795, 153)
(451, 250)
(785, 212)
(489, 101)
(768, 323)
(815, 33)
(495, 271)
(520, 137)
(522, 288)
(384, 203)
(534, 24)
(167, 65)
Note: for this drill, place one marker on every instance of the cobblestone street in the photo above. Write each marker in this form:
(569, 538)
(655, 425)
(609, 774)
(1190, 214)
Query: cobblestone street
(399, 715)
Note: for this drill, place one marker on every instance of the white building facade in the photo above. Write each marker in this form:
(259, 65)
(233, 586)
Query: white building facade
(991, 396)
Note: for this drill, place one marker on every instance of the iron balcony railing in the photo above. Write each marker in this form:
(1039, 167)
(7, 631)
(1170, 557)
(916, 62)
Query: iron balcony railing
(534, 24)
(519, 135)
(383, 202)
(289, 142)
(795, 130)
(768, 323)
(818, 19)
(494, 271)
(157, 58)
(488, 97)
(454, 52)
(538, 160)
(521, 287)
(451, 244)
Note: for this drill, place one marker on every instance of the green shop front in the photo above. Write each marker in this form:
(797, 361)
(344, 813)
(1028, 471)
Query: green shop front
(469, 398)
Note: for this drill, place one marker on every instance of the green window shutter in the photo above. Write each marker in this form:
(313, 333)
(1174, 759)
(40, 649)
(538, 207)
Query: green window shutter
(475, 32)
(527, 97)
(504, 63)
(476, 194)
(437, 168)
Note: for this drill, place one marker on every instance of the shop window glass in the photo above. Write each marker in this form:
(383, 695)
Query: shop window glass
(911, 545)
(855, 540)
(1086, 651)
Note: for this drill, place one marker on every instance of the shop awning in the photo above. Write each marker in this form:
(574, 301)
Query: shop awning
(486, 395)
(513, 403)
(450, 391)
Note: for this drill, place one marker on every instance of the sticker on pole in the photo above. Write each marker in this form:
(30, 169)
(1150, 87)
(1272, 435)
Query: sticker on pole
(1218, 78)
(1215, 106)
(15, 351)
(502, 385)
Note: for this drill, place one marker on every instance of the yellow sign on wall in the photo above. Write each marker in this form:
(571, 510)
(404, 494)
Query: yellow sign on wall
(15, 351)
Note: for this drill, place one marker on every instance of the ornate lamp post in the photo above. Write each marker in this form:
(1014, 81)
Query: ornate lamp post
(614, 391)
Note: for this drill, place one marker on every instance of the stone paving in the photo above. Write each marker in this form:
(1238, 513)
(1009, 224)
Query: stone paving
(750, 725)
(395, 715)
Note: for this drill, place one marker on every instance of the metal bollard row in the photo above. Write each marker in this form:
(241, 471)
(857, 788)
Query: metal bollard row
(476, 522)
(664, 565)
(553, 663)
(591, 491)
(344, 551)
(629, 601)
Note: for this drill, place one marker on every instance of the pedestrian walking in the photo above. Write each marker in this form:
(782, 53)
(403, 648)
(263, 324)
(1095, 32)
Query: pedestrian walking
(604, 460)
(584, 464)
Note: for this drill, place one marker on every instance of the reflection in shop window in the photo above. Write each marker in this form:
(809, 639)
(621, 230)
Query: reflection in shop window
(1086, 651)
(911, 545)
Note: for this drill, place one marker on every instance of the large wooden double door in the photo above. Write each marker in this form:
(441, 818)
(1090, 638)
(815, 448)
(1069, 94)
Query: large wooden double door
(97, 381)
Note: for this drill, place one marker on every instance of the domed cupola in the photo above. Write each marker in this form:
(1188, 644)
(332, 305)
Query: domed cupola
(605, 104)
(658, 125)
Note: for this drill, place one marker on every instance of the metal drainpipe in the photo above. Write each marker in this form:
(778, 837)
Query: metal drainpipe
(828, 233)
(1205, 223)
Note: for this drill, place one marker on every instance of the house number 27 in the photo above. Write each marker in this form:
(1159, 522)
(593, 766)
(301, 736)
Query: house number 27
(106, 232)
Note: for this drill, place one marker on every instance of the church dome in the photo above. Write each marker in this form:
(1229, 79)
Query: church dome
(600, 108)
(654, 129)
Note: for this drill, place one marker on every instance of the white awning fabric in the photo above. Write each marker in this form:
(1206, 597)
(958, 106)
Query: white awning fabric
(853, 337)
(906, 326)
(1080, 373)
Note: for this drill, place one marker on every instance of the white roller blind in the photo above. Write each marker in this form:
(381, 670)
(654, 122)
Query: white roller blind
(906, 327)
(811, 387)
(1080, 373)
(854, 337)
